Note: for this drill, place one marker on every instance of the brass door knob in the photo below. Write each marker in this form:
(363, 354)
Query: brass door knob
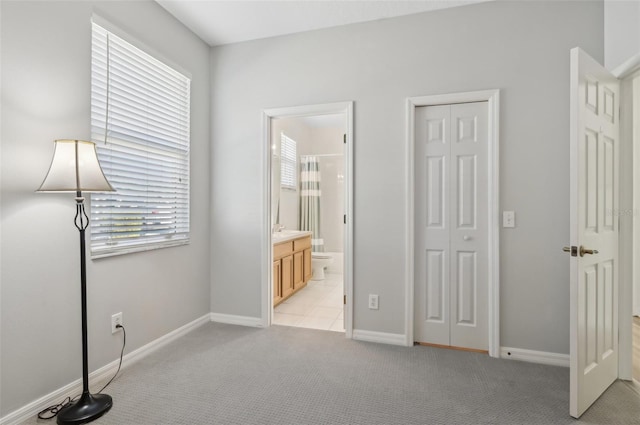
(584, 251)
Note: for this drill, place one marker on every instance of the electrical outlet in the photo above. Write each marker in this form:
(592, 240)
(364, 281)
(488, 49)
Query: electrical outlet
(116, 320)
(508, 219)
(373, 302)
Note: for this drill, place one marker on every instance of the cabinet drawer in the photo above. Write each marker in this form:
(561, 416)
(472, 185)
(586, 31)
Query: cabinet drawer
(282, 250)
(303, 243)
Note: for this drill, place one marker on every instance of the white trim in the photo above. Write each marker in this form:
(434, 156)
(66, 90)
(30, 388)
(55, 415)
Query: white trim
(232, 319)
(105, 372)
(628, 299)
(267, 255)
(634, 133)
(348, 231)
(266, 242)
(379, 337)
(628, 67)
(96, 255)
(532, 356)
(493, 99)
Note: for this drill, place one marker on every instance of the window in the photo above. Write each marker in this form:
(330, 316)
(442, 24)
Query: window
(140, 124)
(288, 163)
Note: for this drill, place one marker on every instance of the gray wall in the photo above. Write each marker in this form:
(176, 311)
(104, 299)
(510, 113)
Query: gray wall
(621, 32)
(46, 62)
(521, 48)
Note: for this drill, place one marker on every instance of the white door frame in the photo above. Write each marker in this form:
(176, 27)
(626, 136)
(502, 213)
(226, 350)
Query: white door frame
(634, 138)
(629, 204)
(493, 99)
(267, 254)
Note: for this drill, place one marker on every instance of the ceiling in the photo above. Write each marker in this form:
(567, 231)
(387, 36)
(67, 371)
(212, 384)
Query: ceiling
(220, 22)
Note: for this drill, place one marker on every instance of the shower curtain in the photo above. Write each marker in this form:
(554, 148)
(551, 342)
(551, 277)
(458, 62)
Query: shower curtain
(310, 200)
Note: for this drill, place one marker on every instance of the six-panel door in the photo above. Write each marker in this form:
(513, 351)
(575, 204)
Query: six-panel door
(451, 223)
(594, 195)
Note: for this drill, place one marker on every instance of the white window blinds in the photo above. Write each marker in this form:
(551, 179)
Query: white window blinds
(288, 163)
(140, 123)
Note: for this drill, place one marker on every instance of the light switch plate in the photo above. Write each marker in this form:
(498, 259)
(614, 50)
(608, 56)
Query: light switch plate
(373, 302)
(508, 219)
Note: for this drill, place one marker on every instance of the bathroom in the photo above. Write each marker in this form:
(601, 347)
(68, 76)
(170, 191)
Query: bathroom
(307, 206)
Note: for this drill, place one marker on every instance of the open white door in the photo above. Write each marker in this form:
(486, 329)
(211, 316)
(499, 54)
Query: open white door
(594, 134)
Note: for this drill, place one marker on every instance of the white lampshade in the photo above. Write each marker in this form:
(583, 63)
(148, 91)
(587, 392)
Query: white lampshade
(75, 168)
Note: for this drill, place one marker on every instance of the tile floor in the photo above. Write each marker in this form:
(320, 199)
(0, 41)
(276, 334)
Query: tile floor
(318, 306)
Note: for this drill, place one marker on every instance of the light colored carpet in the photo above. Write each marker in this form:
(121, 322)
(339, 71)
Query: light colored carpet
(225, 374)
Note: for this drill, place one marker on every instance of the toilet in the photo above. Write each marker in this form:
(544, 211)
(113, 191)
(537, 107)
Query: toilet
(320, 260)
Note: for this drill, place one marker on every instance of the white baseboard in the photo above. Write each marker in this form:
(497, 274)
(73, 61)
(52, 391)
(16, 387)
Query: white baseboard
(380, 337)
(75, 387)
(542, 357)
(232, 319)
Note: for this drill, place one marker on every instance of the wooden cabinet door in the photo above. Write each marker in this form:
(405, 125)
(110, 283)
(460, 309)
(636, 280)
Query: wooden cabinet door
(287, 276)
(298, 269)
(277, 282)
(307, 264)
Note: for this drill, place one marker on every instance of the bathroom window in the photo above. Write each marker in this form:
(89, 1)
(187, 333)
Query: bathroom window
(140, 122)
(288, 163)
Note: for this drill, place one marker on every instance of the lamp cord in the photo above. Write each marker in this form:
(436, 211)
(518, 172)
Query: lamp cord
(53, 410)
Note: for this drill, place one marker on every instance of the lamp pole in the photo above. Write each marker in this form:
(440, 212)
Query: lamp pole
(82, 226)
(90, 406)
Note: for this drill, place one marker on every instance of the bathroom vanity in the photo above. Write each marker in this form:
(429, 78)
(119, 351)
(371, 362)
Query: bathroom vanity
(291, 263)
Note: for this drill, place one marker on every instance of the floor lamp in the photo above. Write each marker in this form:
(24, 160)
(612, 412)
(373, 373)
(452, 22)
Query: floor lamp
(75, 168)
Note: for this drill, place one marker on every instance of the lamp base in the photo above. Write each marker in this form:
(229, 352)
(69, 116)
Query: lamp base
(87, 409)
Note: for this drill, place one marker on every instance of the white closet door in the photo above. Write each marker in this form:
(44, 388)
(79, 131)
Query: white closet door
(451, 225)
(432, 203)
(469, 226)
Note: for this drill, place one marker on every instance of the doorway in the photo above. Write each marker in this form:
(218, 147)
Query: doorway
(307, 196)
(629, 217)
(475, 215)
(308, 220)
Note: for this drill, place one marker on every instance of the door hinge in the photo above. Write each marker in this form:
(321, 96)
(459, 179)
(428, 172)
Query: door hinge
(344, 219)
(344, 138)
(344, 299)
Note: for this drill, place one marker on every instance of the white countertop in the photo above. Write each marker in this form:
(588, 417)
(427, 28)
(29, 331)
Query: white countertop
(288, 235)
